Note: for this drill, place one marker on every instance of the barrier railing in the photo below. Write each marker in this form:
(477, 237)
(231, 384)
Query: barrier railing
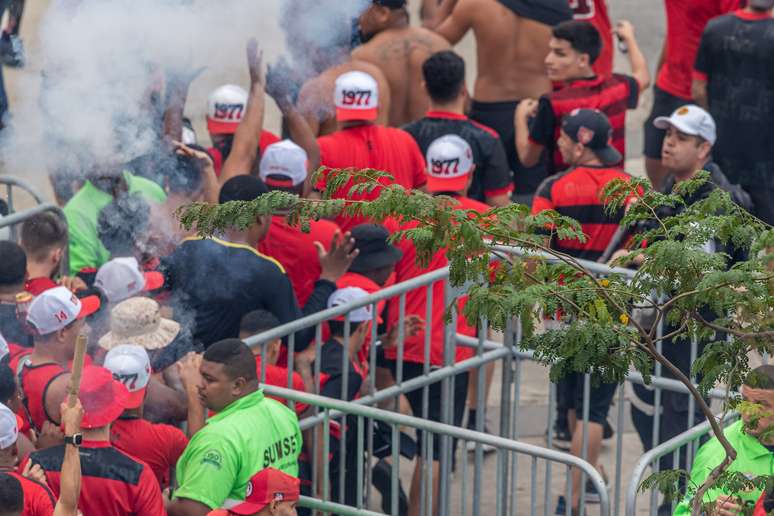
(14, 219)
(10, 183)
(507, 354)
(651, 459)
(506, 499)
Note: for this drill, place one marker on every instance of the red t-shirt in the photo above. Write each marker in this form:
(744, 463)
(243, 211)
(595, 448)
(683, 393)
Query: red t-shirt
(113, 483)
(267, 138)
(296, 251)
(36, 286)
(595, 12)
(38, 499)
(686, 20)
(386, 149)
(278, 376)
(157, 445)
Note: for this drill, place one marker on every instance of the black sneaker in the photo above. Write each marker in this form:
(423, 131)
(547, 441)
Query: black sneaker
(608, 432)
(382, 480)
(592, 496)
(561, 508)
(12, 51)
(561, 439)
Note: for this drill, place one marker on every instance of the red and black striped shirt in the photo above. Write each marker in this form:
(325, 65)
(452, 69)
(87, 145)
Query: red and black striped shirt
(577, 193)
(612, 96)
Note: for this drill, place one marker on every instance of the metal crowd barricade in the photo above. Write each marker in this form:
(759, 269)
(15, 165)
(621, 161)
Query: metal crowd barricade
(651, 459)
(14, 219)
(507, 354)
(10, 183)
(505, 500)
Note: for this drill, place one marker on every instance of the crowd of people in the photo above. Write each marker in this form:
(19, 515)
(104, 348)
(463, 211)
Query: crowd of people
(171, 418)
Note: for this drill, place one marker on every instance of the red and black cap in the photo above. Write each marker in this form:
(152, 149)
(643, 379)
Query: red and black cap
(592, 129)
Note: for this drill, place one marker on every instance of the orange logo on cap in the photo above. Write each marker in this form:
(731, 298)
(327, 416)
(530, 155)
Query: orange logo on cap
(585, 135)
(683, 111)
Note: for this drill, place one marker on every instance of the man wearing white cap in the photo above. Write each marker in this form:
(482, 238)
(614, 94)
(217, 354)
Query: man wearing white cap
(450, 170)
(157, 445)
(56, 317)
(361, 144)
(284, 166)
(226, 107)
(121, 278)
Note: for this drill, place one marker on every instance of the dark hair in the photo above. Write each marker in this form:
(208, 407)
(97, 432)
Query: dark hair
(7, 383)
(186, 176)
(236, 357)
(762, 377)
(444, 74)
(13, 264)
(337, 327)
(43, 232)
(11, 494)
(258, 321)
(121, 222)
(242, 188)
(583, 37)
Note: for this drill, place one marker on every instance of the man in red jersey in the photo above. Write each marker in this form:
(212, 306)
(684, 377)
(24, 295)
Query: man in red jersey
(686, 20)
(585, 143)
(271, 493)
(38, 499)
(113, 482)
(284, 166)
(595, 12)
(575, 47)
(157, 445)
(362, 144)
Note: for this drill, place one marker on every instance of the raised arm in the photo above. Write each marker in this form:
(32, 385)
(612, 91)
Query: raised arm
(245, 148)
(625, 30)
(434, 12)
(70, 487)
(456, 24)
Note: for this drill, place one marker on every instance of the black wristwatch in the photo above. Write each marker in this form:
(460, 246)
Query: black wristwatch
(75, 440)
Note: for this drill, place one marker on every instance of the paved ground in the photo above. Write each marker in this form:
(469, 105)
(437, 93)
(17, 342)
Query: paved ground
(648, 19)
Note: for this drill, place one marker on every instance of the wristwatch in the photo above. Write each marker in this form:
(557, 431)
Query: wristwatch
(75, 440)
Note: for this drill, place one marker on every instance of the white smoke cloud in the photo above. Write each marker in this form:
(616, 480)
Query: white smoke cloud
(100, 57)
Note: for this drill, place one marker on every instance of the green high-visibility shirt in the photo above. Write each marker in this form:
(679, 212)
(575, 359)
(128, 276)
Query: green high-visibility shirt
(252, 433)
(752, 459)
(82, 212)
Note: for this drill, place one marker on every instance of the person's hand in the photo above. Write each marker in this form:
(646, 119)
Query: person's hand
(527, 108)
(35, 472)
(727, 506)
(412, 326)
(255, 63)
(71, 417)
(336, 262)
(73, 283)
(188, 369)
(303, 360)
(201, 157)
(50, 435)
(624, 30)
(279, 81)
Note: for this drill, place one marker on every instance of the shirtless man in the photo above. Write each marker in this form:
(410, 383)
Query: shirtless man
(399, 51)
(511, 38)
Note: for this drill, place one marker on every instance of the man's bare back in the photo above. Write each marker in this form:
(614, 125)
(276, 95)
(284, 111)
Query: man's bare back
(400, 54)
(315, 101)
(511, 49)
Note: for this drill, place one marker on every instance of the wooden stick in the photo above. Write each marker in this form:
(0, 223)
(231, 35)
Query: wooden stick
(74, 386)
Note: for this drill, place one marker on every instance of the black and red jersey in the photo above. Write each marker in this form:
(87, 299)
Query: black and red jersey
(612, 96)
(38, 499)
(577, 193)
(113, 483)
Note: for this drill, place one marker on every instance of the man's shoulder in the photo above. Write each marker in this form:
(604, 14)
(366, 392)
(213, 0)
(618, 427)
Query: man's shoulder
(108, 463)
(247, 257)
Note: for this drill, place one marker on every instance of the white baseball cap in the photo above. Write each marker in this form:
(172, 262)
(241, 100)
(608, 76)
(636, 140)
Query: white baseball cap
(121, 278)
(130, 365)
(347, 295)
(690, 119)
(57, 307)
(9, 429)
(284, 159)
(356, 97)
(449, 164)
(225, 108)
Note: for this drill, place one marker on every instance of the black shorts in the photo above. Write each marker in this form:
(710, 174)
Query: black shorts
(664, 104)
(460, 394)
(600, 398)
(499, 116)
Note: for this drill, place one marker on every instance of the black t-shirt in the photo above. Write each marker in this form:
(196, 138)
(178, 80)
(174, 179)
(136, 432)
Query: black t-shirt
(332, 360)
(736, 57)
(492, 176)
(548, 12)
(215, 283)
(10, 327)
